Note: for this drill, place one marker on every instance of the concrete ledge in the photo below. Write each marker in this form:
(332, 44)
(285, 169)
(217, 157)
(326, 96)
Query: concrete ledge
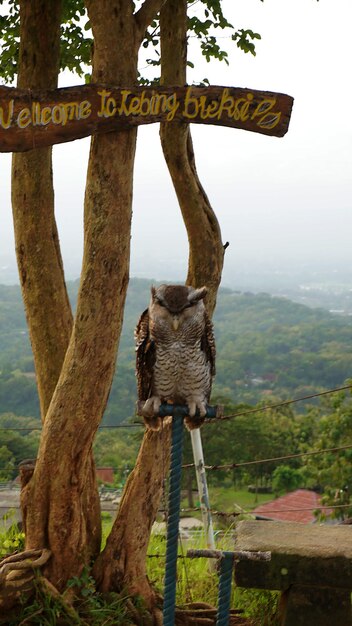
(300, 554)
(311, 565)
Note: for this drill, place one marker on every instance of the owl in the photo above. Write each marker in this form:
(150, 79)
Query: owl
(175, 349)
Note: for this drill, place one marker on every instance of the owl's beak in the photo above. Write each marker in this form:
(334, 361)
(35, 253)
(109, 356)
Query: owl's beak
(175, 322)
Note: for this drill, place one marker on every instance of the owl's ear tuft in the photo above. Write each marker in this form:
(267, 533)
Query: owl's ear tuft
(198, 294)
(153, 291)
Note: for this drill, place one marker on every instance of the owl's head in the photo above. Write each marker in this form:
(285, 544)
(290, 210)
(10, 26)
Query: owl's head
(176, 304)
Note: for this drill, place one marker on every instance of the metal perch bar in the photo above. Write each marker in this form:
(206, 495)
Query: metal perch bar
(167, 410)
(238, 555)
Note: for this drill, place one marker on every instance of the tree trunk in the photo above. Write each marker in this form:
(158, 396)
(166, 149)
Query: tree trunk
(40, 265)
(56, 497)
(122, 564)
(206, 252)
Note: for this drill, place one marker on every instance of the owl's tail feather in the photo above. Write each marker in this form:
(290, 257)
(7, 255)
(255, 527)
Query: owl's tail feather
(192, 423)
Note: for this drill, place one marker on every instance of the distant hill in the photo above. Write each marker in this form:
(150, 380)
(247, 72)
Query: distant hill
(265, 346)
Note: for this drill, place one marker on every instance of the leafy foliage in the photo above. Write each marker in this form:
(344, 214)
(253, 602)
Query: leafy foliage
(11, 538)
(286, 478)
(333, 470)
(76, 40)
(9, 38)
(243, 40)
(76, 45)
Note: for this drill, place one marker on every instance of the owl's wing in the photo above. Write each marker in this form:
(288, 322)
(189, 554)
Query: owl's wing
(145, 357)
(208, 344)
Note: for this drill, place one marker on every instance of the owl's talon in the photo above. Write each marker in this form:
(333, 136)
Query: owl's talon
(192, 407)
(195, 404)
(156, 405)
(151, 407)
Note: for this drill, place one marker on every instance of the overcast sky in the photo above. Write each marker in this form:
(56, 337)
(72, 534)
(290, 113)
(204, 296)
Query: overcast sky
(279, 201)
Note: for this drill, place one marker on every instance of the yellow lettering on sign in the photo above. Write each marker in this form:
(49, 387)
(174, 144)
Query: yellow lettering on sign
(211, 110)
(241, 108)
(148, 105)
(71, 111)
(134, 106)
(85, 109)
(24, 118)
(216, 109)
(6, 123)
(123, 106)
(190, 108)
(171, 106)
(105, 103)
(35, 113)
(45, 116)
(227, 105)
(57, 114)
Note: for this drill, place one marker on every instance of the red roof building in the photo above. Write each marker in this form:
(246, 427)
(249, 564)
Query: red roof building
(105, 474)
(297, 506)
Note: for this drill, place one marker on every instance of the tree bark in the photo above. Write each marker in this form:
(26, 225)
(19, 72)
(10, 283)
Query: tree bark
(122, 564)
(39, 259)
(57, 498)
(40, 265)
(206, 251)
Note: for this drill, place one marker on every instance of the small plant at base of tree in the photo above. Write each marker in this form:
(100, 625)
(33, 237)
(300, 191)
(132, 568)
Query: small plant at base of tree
(11, 539)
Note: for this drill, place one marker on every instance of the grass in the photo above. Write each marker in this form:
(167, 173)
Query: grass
(225, 498)
(197, 579)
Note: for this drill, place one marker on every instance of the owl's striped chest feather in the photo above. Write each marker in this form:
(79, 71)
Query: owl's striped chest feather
(180, 371)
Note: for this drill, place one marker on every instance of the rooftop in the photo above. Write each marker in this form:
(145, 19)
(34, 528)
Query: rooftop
(297, 506)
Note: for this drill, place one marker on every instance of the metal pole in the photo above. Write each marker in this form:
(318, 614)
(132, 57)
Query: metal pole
(224, 595)
(198, 458)
(178, 412)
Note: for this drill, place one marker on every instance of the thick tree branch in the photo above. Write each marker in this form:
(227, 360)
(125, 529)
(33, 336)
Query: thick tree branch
(37, 245)
(206, 251)
(146, 14)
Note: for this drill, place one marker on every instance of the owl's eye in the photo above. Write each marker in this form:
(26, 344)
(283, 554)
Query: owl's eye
(160, 303)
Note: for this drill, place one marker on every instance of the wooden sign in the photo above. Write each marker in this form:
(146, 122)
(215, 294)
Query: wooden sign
(33, 119)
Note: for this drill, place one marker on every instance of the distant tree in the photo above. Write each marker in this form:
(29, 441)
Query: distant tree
(332, 471)
(7, 464)
(286, 478)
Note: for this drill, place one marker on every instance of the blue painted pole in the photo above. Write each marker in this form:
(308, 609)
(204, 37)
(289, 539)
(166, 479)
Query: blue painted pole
(173, 517)
(178, 412)
(224, 593)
